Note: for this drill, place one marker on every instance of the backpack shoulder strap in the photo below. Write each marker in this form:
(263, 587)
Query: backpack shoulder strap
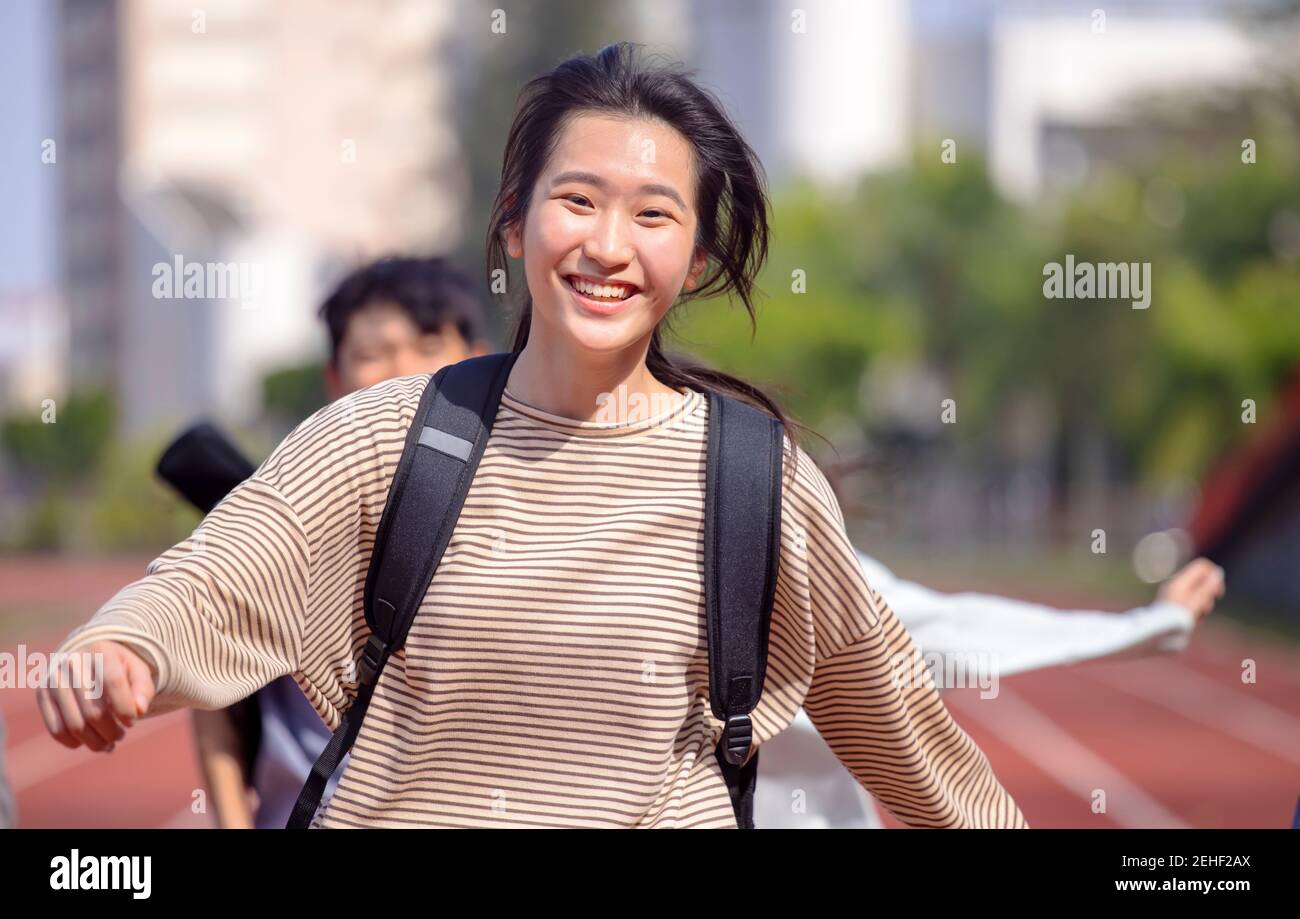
(443, 448)
(742, 552)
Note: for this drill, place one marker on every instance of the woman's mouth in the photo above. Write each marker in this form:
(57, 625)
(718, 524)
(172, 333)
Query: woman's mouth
(604, 298)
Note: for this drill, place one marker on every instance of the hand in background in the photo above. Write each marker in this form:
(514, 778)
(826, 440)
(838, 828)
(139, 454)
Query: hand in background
(1196, 586)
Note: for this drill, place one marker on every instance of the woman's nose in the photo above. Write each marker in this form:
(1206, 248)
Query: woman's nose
(609, 243)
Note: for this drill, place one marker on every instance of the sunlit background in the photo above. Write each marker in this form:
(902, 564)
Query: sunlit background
(926, 159)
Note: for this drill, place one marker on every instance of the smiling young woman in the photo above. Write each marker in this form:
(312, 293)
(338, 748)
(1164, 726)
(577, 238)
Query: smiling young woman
(608, 245)
(557, 671)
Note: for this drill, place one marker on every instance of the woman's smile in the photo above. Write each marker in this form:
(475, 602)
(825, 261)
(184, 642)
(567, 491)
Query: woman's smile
(593, 298)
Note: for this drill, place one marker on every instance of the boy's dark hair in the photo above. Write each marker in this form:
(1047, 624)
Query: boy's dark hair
(432, 291)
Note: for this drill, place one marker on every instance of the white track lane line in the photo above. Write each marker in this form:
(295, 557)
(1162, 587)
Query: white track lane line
(1071, 765)
(1199, 698)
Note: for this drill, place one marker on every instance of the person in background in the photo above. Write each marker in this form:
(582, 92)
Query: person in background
(1013, 636)
(392, 318)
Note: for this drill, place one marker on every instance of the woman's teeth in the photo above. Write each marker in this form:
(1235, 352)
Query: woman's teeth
(600, 291)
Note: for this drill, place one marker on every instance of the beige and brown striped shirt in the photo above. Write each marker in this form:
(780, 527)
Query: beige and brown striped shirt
(557, 673)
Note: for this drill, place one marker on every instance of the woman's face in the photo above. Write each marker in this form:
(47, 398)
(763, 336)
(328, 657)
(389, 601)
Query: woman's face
(615, 206)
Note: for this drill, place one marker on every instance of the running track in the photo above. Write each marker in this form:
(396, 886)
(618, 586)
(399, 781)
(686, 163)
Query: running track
(1171, 741)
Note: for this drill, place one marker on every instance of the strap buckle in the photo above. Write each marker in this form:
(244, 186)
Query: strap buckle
(737, 738)
(372, 658)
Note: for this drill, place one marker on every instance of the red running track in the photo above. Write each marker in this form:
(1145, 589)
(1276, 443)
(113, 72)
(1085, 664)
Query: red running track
(1168, 741)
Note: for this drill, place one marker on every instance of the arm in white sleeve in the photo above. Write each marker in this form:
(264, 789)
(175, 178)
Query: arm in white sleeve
(1023, 636)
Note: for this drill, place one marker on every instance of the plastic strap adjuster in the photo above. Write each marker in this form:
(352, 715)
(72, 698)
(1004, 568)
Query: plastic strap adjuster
(371, 657)
(737, 737)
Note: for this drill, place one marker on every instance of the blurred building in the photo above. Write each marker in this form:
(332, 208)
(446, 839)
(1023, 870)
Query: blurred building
(265, 141)
(1063, 81)
(835, 88)
(818, 88)
(33, 349)
(91, 212)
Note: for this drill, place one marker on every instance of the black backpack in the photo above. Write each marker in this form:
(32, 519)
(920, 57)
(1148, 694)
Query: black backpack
(742, 539)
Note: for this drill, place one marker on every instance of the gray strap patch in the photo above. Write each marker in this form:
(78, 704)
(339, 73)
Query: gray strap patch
(446, 443)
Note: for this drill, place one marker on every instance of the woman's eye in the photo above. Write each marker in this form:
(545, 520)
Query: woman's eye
(582, 202)
(655, 213)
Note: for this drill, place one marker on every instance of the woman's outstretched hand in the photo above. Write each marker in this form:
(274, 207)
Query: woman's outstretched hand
(96, 694)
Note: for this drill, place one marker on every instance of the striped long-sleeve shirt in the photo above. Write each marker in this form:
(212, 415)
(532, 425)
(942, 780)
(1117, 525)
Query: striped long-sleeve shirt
(557, 671)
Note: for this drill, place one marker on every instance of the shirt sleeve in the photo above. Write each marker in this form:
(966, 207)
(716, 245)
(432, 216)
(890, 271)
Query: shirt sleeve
(264, 586)
(220, 614)
(1015, 635)
(871, 697)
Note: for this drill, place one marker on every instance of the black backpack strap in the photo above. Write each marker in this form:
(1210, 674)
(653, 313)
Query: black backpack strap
(442, 452)
(742, 552)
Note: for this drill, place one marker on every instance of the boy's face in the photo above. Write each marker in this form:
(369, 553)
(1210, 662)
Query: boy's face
(381, 342)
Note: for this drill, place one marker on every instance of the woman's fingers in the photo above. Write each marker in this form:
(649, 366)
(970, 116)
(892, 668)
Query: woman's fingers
(53, 718)
(95, 694)
(140, 679)
(117, 689)
(90, 668)
(65, 696)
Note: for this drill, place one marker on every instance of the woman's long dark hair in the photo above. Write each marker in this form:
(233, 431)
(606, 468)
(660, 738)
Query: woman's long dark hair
(730, 195)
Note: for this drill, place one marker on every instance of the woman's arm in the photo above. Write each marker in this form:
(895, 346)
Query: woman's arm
(221, 613)
(871, 697)
(267, 585)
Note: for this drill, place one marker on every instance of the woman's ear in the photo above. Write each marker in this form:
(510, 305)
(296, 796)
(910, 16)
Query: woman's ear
(513, 232)
(697, 268)
(514, 241)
